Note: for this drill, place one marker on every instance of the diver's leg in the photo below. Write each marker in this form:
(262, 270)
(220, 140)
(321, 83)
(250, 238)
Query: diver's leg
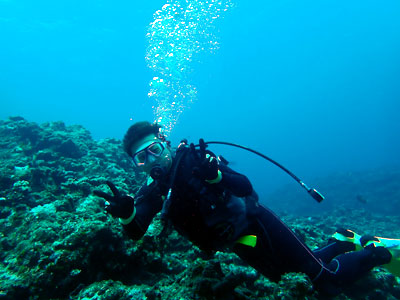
(342, 241)
(333, 249)
(278, 250)
(345, 240)
(260, 256)
(351, 266)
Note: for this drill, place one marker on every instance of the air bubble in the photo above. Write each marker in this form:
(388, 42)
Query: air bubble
(180, 31)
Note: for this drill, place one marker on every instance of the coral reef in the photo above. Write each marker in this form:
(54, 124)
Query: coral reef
(57, 243)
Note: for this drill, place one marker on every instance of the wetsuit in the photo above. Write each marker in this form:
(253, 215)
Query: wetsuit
(214, 216)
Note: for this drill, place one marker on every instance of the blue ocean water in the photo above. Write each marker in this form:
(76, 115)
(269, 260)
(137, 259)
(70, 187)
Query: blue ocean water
(312, 84)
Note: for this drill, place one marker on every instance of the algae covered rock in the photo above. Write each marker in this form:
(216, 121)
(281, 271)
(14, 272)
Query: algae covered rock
(294, 286)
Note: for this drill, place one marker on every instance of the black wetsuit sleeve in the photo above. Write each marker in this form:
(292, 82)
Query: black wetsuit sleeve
(238, 184)
(148, 202)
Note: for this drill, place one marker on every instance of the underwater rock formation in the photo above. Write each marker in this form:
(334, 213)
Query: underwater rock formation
(57, 243)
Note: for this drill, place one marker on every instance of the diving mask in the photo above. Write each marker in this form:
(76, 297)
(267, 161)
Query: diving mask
(141, 157)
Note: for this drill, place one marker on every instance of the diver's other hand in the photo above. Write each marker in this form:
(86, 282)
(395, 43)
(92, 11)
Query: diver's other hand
(117, 205)
(208, 167)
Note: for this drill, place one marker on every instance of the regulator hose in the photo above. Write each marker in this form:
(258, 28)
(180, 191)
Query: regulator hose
(313, 192)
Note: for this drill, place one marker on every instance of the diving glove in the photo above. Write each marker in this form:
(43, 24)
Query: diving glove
(117, 205)
(207, 168)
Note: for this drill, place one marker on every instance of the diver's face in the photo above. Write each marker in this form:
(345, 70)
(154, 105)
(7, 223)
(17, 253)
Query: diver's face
(149, 152)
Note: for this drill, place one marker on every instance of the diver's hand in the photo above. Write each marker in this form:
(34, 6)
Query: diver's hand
(208, 165)
(117, 205)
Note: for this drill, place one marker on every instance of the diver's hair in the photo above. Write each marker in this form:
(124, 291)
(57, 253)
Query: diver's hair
(138, 131)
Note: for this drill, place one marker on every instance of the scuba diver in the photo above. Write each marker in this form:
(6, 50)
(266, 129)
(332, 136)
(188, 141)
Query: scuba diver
(217, 209)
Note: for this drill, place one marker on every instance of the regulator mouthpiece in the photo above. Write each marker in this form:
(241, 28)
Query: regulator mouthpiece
(157, 172)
